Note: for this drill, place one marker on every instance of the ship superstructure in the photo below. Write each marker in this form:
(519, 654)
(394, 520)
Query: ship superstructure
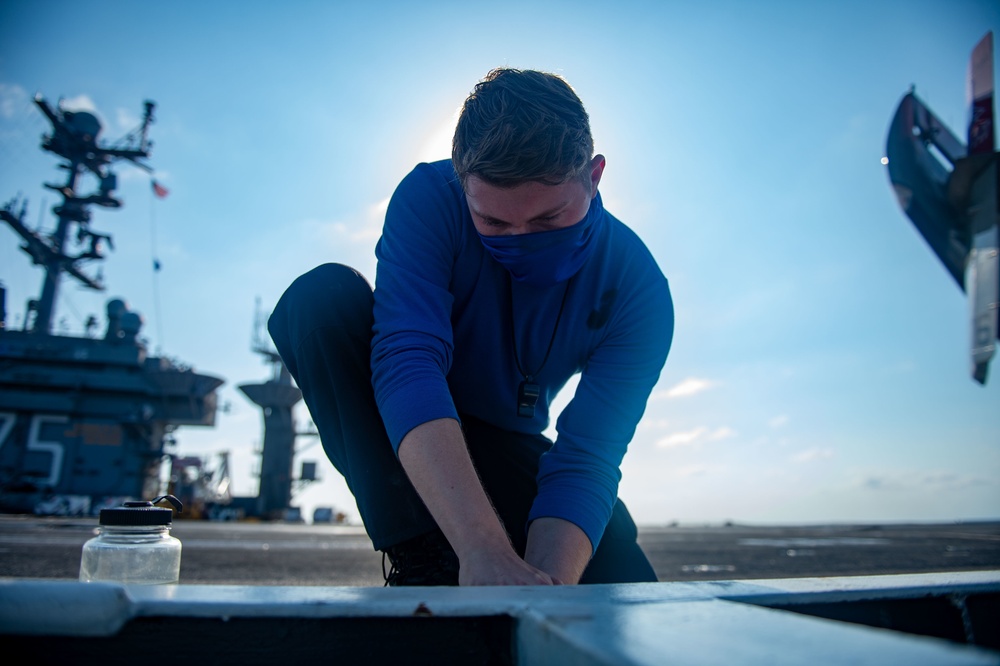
(84, 419)
(277, 398)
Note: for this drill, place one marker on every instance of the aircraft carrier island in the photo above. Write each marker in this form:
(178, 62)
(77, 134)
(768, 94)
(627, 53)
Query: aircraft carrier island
(84, 419)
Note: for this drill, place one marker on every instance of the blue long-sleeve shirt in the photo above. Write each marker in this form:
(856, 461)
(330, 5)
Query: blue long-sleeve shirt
(442, 341)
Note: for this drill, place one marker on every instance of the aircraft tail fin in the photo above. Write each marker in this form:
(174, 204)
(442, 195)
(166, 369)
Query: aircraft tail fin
(950, 192)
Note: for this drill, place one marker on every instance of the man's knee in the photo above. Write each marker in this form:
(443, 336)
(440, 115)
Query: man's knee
(328, 295)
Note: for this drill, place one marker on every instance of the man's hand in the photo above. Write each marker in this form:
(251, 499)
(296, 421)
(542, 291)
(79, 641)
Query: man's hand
(437, 461)
(500, 568)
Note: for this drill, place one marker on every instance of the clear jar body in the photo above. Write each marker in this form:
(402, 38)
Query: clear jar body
(145, 555)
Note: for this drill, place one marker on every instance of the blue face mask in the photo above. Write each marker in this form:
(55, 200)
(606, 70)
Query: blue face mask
(546, 258)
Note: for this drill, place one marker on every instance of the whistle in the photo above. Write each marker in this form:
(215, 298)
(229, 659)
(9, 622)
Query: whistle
(527, 397)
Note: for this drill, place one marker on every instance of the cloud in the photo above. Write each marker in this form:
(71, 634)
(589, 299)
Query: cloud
(366, 229)
(725, 432)
(689, 386)
(12, 99)
(682, 438)
(920, 481)
(79, 103)
(648, 424)
(695, 436)
(812, 454)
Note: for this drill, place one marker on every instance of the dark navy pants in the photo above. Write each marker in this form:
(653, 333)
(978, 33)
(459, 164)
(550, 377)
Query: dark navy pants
(322, 327)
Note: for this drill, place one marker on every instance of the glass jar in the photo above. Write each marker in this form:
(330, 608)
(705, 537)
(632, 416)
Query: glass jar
(133, 546)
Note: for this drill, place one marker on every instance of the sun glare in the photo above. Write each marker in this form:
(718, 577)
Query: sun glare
(437, 143)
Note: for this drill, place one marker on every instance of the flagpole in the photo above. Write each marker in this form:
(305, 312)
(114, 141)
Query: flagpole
(158, 192)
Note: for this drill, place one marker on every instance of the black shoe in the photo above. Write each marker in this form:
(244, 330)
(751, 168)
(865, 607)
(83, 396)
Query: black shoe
(425, 560)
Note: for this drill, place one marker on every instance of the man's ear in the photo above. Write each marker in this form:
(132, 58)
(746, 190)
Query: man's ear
(597, 165)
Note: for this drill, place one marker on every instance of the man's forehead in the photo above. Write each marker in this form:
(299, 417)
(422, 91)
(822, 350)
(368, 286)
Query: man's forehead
(527, 200)
(481, 190)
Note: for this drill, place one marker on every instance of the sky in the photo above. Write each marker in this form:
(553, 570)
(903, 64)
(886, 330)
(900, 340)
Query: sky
(819, 370)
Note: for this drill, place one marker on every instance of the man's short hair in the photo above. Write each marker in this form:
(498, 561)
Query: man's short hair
(519, 126)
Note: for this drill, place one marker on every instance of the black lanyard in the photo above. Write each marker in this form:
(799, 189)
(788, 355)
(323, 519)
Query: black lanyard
(528, 391)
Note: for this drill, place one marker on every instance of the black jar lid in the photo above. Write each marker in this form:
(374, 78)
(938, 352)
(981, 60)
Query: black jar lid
(141, 513)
